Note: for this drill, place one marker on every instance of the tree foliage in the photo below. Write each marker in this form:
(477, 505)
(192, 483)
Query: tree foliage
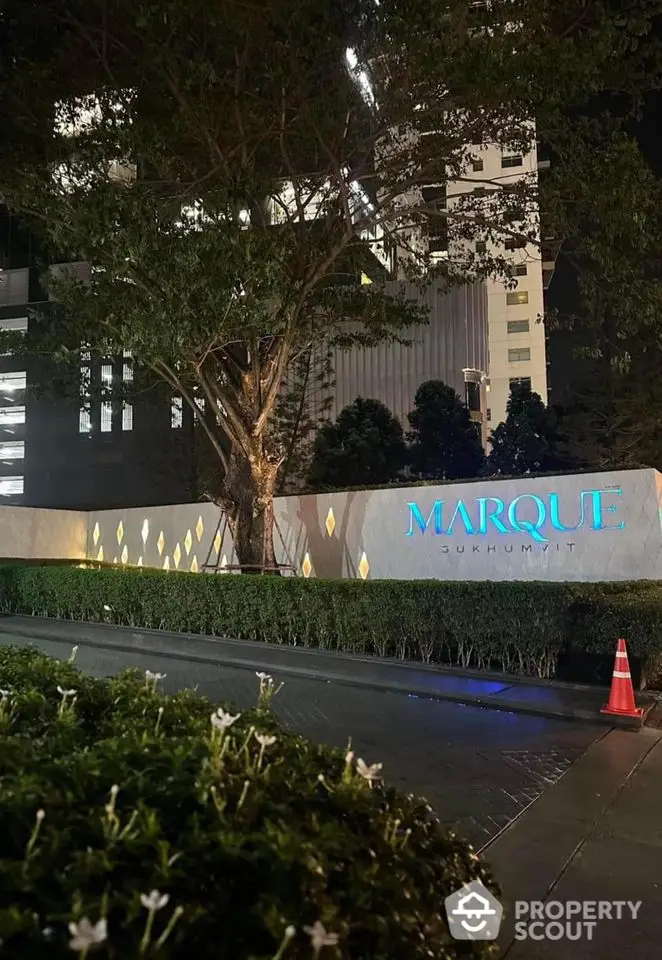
(528, 440)
(364, 446)
(227, 173)
(445, 443)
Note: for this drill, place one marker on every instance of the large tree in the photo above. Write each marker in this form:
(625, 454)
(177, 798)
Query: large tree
(228, 169)
(364, 446)
(528, 440)
(445, 442)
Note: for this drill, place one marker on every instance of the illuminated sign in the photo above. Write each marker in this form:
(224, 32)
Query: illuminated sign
(529, 514)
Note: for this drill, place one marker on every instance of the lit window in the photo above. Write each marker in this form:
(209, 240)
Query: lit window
(517, 298)
(518, 326)
(9, 415)
(520, 270)
(107, 373)
(200, 404)
(106, 417)
(127, 373)
(176, 413)
(127, 416)
(512, 161)
(12, 450)
(519, 354)
(11, 486)
(9, 382)
(14, 324)
(84, 420)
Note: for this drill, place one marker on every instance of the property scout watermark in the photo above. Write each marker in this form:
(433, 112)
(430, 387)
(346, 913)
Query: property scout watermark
(475, 914)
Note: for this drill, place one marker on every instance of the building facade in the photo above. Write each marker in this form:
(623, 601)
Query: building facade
(452, 347)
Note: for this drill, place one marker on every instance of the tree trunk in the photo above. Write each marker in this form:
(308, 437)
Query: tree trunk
(249, 505)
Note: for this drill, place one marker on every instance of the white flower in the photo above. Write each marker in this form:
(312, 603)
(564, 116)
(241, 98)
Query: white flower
(160, 676)
(84, 935)
(319, 937)
(221, 720)
(349, 757)
(5, 693)
(264, 677)
(369, 773)
(154, 901)
(149, 675)
(66, 693)
(106, 607)
(265, 740)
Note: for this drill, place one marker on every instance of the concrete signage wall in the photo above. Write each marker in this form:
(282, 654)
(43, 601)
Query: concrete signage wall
(603, 526)
(47, 534)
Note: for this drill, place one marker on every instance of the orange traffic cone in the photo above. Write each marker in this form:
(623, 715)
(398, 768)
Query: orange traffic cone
(621, 696)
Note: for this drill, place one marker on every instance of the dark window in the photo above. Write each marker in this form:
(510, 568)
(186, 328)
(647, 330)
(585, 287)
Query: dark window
(511, 162)
(520, 270)
(489, 414)
(481, 246)
(435, 195)
(477, 166)
(522, 381)
(514, 243)
(472, 395)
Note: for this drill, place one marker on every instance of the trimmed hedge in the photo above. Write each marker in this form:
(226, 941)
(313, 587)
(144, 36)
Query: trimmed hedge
(123, 799)
(519, 627)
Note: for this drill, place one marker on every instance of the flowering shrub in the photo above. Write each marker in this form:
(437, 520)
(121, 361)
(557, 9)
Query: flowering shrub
(135, 825)
(519, 627)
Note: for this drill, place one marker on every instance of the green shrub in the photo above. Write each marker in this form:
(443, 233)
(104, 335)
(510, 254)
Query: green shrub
(519, 627)
(139, 794)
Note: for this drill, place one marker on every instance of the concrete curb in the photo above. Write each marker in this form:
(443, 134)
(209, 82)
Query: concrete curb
(200, 649)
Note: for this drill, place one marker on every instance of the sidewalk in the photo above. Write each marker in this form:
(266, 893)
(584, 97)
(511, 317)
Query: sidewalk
(495, 691)
(595, 835)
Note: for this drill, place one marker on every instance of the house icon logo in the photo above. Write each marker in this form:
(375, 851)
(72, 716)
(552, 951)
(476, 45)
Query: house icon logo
(473, 913)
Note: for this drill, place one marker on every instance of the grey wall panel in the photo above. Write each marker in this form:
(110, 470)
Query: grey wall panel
(590, 527)
(455, 338)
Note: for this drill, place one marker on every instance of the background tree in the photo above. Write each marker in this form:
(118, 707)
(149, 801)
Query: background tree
(227, 169)
(528, 440)
(364, 447)
(608, 316)
(445, 443)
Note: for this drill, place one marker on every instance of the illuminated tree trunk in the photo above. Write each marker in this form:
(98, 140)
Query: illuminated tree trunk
(248, 501)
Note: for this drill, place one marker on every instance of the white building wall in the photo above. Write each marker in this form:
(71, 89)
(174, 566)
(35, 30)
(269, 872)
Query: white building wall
(513, 352)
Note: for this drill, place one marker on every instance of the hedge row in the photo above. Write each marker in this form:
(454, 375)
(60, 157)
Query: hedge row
(251, 836)
(520, 627)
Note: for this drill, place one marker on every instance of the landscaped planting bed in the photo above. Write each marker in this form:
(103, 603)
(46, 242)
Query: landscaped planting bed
(518, 627)
(140, 825)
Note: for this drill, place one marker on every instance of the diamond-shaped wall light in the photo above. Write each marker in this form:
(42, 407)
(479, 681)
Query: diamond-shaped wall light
(140, 561)
(330, 522)
(120, 532)
(114, 559)
(199, 528)
(177, 555)
(96, 533)
(166, 563)
(364, 566)
(100, 554)
(125, 554)
(188, 542)
(194, 564)
(145, 531)
(160, 543)
(218, 542)
(224, 563)
(307, 566)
